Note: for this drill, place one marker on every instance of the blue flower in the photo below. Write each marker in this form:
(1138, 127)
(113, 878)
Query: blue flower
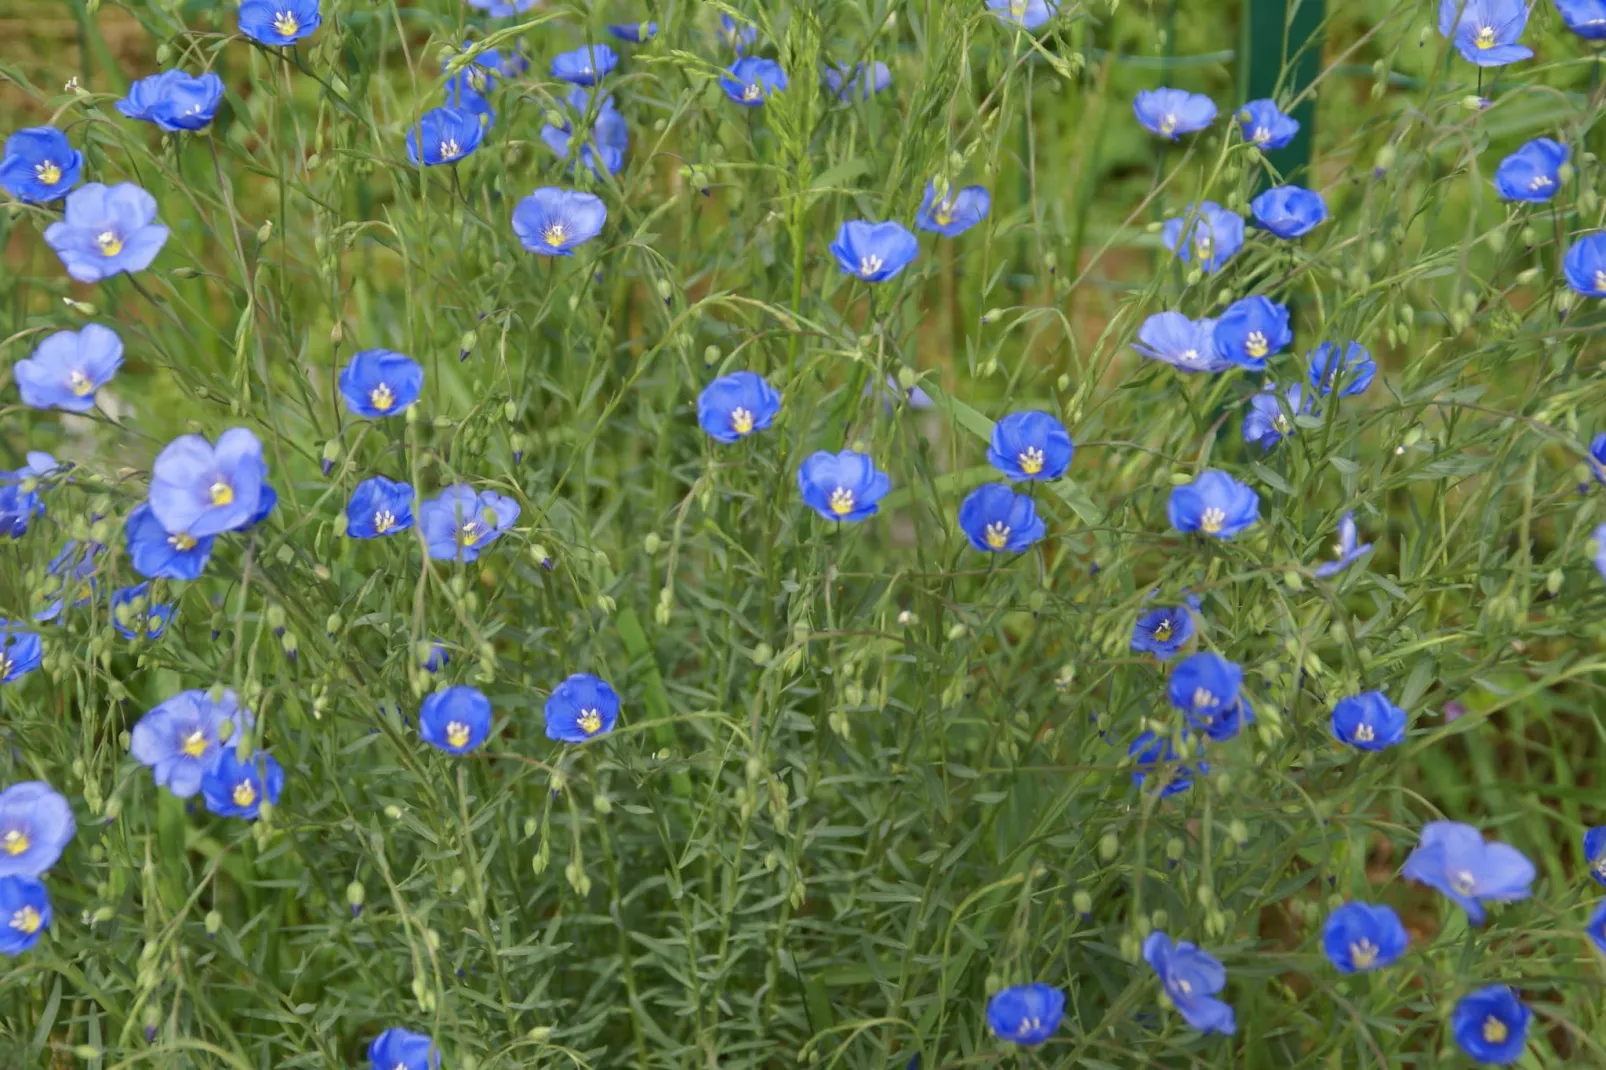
(379, 506)
(1485, 32)
(1206, 232)
(892, 394)
(73, 570)
(580, 709)
(1191, 978)
(20, 651)
(19, 502)
(397, 1049)
(1361, 937)
(874, 252)
(1268, 419)
(237, 787)
(200, 489)
(1026, 1014)
(1585, 265)
(1170, 112)
(173, 100)
(1455, 859)
(1600, 549)
(586, 65)
(1368, 721)
(552, 221)
(1205, 686)
(1162, 632)
(1597, 927)
(1349, 551)
(107, 230)
(750, 80)
(266, 503)
(158, 554)
(1185, 344)
(1491, 1024)
(1595, 852)
(460, 523)
(67, 368)
(736, 35)
(997, 520)
(1214, 504)
(636, 33)
(1263, 124)
(734, 406)
(24, 914)
(1533, 172)
(36, 824)
(1149, 751)
(1352, 374)
(455, 720)
(447, 134)
(1252, 329)
(135, 616)
(462, 95)
(489, 65)
(379, 382)
(842, 486)
(1289, 211)
(847, 82)
(1030, 445)
(434, 656)
(1026, 14)
(279, 23)
(182, 739)
(955, 212)
(1586, 18)
(40, 165)
(610, 135)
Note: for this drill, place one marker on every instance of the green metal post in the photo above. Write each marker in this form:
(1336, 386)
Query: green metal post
(1279, 35)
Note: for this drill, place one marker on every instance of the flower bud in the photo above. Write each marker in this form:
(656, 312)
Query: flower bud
(214, 922)
(652, 543)
(264, 232)
(331, 454)
(1109, 846)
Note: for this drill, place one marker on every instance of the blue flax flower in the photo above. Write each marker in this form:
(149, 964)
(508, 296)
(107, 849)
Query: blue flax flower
(433, 656)
(842, 486)
(237, 787)
(40, 165)
(1533, 172)
(462, 95)
(279, 23)
(174, 100)
(552, 221)
(586, 65)
(1026, 1014)
(488, 65)
(1491, 1025)
(19, 502)
(379, 382)
(1485, 32)
(1597, 457)
(580, 709)
(1585, 265)
(610, 135)
(446, 134)
(1162, 632)
(107, 230)
(1361, 937)
(1214, 504)
(1149, 752)
(1596, 927)
(25, 914)
(20, 651)
(1352, 373)
(1595, 852)
(635, 33)
(68, 367)
(1206, 233)
(36, 824)
(848, 82)
(379, 506)
(1185, 344)
(1191, 978)
(1369, 721)
(1269, 420)
(1252, 329)
(158, 554)
(997, 520)
(1349, 550)
(874, 252)
(455, 720)
(750, 81)
(1454, 858)
(182, 739)
(734, 406)
(1586, 18)
(398, 1049)
(1030, 445)
(1026, 14)
(1264, 124)
(1205, 686)
(1171, 112)
(1289, 211)
(73, 571)
(460, 523)
(135, 616)
(501, 9)
(201, 489)
(736, 35)
(955, 211)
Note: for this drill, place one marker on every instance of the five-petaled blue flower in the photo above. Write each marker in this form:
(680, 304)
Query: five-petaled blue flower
(1026, 14)
(68, 367)
(580, 709)
(1185, 344)
(1264, 124)
(847, 82)
(135, 616)
(107, 230)
(446, 135)
(1349, 550)
(1270, 414)
(750, 80)
(586, 65)
(1205, 686)
(201, 489)
(1163, 632)
(552, 221)
(1585, 265)
(1149, 751)
(237, 787)
(997, 520)
(1206, 233)
(1491, 1025)
(379, 506)
(379, 382)
(734, 406)
(1368, 721)
(1533, 172)
(874, 252)
(25, 914)
(1361, 937)
(1595, 852)
(455, 720)
(1454, 858)
(279, 23)
(1485, 32)
(36, 824)
(19, 503)
(20, 651)
(1026, 1014)
(40, 165)
(842, 486)
(1596, 927)
(1191, 978)
(1352, 373)
(1171, 112)
(1289, 211)
(635, 33)
(396, 1048)
(1214, 504)
(159, 554)
(1586, 18)
(955, 211)
(1030, 445)
(1252, 329)
(460, 523)
(174, 100)
(182, 739)
(610, 135)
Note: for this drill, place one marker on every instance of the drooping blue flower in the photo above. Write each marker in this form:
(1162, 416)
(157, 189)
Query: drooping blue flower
(36, 824)
(107, 230)
(174, 100)
(734, 406)
(1349, 551)
(1185, 344)
(1030, 445)
(158, 554)
(20, 651)
(1369, 721)
(19, 502)
(610, 135)
(1596, 927)
(1154, 755)
(66, 369)
(1264, 124)
(842, 486)
(1289, 211)
(455, 720)
(635, 33)
(1251, 330)
(1586, 18)
(736, 35)
(1491, 1024)
(201, 489)
(40, 165)
(460, 523)
(552, 221)
(280, 23)
(446, 135)
(580, 709)
(379, 507)
(1162, 632)
(1214, 504)
(182, 739)
(1206, 233)
(73, 573)
(1269, 420)
(1026, 14)
(893, 394)
(997, 520)
(750, 81)
(1585, 265)
(586, 65)
(848, 82)
(237, 787)
(955, 212)
(25, 914)
(1454, 858)
(435, 656)
(489, 65)
(1533, 172)
(1026, 1014)
(1352, 373)
(1205, 687)
(1173, 112)
(1191, 977)
(461, 95)
(874, 252)
(1485, 32)
(396, 1048)
(1595, 852)
(379, 382)
(1597, 457)
(1362, 937)
(135, 616)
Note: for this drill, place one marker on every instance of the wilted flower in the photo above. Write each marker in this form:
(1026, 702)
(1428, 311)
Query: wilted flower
(1191, 978)
(750, 80)
(460, 523)
(1206, 233)
(397, 1049)
(1263, 124)
(25, 914)
(1252, 329)
(379, 382)
(552, 221)
(174, 100)
(955, 212)
(1268, 420)
(636, 33)
(734, 406)
(1352, 374)
(995, 519)
(446, 136)
(1361, 937)
(1533, 172)
(1289, 211)
(874, 252)
(1171, 112)
(1026, 14)
(237, 787)
(580, 709)
(1214, 504)
(1026, 1014)
(1349, 551)
(455, 720)
(1455, 859)
(1491, 1024)
(1369, 721)
(182, 739)
(135, 616)
(842, 486)
(199, 489)
(1185, 344)
(1585, 265)
(158, 554)
(36, 824)
(67, 368)
(280, 23)
(107, 230)
(378, 507)
(39, 165)
(1485, 32)
(586, 65)
(847, 82)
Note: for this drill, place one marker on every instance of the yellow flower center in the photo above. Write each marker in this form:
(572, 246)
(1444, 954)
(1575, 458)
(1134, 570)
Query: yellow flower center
(1494, 1030)
(1485, 38)
(194, 744)
(1162, 631)
(450, 149)
(110, 242)
(1204, 699)
(752, 91)
(869, 265)
(741, 421)
(997, 535)
(16, 841)
(1255, 345)
(1030, 460)
(384, 520)
(1600, 865)
(47, 172)
(1260, 136)
(1213, 520)
(80, 383)
(1280, 422)
(1363, 953)
(182, 541)
(1364, 733)
(1168, 124)
(590, 722)
(381, 397)
(457, 734)
(1017, 7)
(1184, 987)
(222, 493)
(285, 24)
(245, 793)
(469, 533)
(1203, 244)
(842, 501)
(26, 920)
(1600, 282)
(1463, 882)
(944, 213)
(555, 234)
